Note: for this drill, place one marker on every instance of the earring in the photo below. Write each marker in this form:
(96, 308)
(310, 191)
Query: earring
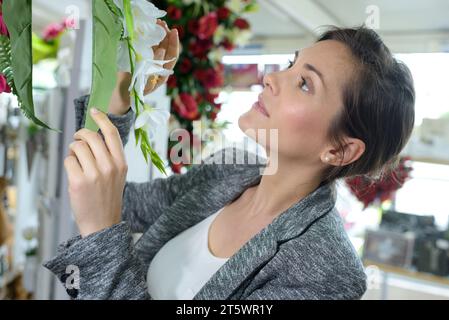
(326, 159)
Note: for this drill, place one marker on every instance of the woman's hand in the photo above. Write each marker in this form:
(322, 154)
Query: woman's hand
(96, 171)
(166, 50)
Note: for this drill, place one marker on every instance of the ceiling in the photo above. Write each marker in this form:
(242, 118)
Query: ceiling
(284, 25)
(405, 25)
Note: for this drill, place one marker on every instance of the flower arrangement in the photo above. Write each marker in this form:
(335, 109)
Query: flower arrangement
(124, 33)
(16, 67)
(47, 45)
(206, 30)
(370, 191)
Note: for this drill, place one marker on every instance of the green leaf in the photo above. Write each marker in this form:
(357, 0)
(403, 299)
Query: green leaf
(17, 17)
(106, 36)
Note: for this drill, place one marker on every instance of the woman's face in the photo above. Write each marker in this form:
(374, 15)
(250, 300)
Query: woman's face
(302, 100)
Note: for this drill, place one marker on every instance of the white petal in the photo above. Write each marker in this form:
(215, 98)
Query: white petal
(142, 119)
(147, 8)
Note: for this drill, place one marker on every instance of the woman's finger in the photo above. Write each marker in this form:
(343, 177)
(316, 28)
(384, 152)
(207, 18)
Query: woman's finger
(96, 145)
(84, 156)
(111, 136)
(72, 167)
(172, 50)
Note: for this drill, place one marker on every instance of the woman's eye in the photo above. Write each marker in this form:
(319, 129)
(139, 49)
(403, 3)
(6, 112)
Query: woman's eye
(304, 85)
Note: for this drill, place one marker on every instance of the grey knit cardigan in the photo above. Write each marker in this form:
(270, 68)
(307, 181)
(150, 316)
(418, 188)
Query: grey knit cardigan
(304, 253)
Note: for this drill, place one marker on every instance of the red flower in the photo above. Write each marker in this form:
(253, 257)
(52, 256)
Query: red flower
(3, 28)
(192, 26)
(185, 66)
(210, 97)
(4, 85)
(172, 82)
(227, 44)
(53, 30)
(209, 78)
(186, 106)
(241, 23)
(176, 168)
(207, 25)
(368, 191)
(223, 13)
(174, 13)
(200, 48)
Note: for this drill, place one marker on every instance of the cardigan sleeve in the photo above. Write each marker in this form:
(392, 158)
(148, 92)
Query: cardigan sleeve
(101, 266)
(142, 202)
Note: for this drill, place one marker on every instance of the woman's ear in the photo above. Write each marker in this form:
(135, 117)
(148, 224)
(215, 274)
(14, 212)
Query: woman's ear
(352, 149)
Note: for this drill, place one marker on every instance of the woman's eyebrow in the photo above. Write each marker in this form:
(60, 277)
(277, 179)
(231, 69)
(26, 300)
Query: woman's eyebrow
(308, 66)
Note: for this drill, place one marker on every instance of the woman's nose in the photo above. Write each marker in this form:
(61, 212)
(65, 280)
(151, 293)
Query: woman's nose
(269, 81)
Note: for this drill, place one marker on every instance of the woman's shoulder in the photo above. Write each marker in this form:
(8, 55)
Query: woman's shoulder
(325, 254)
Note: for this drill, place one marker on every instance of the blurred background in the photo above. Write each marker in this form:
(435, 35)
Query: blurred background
(399, 226)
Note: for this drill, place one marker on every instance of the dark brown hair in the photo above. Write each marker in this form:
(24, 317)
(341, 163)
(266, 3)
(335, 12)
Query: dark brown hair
(378, 104)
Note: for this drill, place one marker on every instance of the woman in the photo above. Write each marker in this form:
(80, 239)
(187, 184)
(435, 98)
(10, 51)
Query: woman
(227, 231)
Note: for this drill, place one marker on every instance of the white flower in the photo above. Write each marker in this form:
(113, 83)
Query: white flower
(151, 118)
(242, 38)
(235, 5)
(144, 69)
(215, 55)
(219, 34)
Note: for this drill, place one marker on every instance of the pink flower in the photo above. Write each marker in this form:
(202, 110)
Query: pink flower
(69, 23)
(3, 28)
(207, 25)
(53, 30)
(4, 85)
(186, 106)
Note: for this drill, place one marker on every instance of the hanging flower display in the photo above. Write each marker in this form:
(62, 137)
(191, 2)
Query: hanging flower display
(206, 30)
(370, 191)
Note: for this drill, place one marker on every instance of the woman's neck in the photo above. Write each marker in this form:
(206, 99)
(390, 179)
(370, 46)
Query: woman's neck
(276, 192)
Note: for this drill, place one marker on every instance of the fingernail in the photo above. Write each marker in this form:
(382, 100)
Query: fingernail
(94, 111)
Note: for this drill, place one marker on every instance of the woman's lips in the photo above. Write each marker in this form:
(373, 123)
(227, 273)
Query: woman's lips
(259, 106)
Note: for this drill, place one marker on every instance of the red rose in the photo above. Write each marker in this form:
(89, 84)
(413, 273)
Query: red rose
(192, 26)
(241, 23)
(185, 66)
(176, 168)
(210, 97)
(180, 29)
(223, 13)
(172, 82)
(227, 44)
(200, 48)
(186, 106)
(209, 78)
(174, 12)
(207, 25)
(4, 87)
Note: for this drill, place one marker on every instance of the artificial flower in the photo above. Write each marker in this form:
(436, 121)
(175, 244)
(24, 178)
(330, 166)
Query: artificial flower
(223, 13)
(241, 23)
(186, 106)
(4, 88)
(207, 25)
(151, 118)
(3, 28)
(52, 31)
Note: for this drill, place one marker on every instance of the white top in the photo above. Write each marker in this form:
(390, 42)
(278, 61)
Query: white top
(184, 264)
